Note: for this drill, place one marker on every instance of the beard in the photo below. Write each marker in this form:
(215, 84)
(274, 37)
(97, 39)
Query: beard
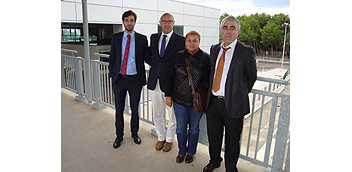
(129, 28)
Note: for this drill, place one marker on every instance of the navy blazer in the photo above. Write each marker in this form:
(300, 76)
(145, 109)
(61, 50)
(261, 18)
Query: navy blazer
(240, 78)
(142, 54)
(159, 64)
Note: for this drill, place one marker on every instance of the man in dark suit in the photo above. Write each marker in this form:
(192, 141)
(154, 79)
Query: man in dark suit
(163, 47)
(232, 75)
(129, 50)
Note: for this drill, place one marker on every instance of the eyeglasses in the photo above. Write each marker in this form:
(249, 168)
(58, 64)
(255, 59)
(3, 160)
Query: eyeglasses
(166, 21)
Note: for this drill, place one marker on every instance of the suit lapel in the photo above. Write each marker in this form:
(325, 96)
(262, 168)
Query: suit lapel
(236, 55)
(119, 47)
(235, 60)
(156, 44)
(138, 44)
(214, 56)
(172, 43)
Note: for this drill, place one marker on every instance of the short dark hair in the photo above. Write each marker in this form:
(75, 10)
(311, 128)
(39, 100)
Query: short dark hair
(129, 13)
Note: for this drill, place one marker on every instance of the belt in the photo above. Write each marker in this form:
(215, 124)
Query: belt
(128, 75)
(219, 97)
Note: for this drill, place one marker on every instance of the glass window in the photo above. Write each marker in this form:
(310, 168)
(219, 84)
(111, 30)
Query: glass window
(98, 33)
(177, 28)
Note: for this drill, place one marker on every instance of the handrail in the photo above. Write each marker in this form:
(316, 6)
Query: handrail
(69, 51)
(272, 80)
(102, 55)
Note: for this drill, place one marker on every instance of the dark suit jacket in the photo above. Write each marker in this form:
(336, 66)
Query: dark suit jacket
(240, 79)
(159, 64)
(142, 54)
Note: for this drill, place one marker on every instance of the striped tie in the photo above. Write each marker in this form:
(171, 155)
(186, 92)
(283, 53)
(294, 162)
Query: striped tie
(125, 56)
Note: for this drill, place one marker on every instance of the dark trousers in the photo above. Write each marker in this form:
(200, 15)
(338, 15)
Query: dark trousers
(134, 88)
(217, 119)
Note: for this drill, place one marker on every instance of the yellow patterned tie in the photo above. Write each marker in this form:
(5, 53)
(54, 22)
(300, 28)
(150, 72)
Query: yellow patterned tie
(218, 74)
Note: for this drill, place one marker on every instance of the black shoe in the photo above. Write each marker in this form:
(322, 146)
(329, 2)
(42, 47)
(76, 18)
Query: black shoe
(136, 139)
(117, 142)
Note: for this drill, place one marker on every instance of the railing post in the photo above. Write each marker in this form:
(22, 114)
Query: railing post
(63, 80)
(97, 89)
(87, 73)
(79, 79)
(282, 133)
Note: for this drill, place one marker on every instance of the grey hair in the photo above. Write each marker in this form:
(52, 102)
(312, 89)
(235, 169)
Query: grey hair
(230, 18)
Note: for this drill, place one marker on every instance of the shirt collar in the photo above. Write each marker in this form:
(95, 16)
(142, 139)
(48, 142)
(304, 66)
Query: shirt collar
(193, 52)
(168, 35)
(125, 34)
(232, 45)
(197, 54)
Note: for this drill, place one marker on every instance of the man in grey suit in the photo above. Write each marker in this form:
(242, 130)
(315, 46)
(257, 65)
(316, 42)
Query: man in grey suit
(232, 75)
(163, 47)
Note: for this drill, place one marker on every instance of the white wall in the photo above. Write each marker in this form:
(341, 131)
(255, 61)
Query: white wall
(204, 20)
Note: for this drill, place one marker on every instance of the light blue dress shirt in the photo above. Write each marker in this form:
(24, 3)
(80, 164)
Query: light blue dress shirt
(131, 62)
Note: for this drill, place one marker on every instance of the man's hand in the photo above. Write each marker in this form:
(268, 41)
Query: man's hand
(168, 101)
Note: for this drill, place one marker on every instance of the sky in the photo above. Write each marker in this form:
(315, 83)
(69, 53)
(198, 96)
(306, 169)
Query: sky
(248, 7)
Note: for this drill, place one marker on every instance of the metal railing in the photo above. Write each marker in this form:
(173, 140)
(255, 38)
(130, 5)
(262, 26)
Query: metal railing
(72, 73)
(265, 138)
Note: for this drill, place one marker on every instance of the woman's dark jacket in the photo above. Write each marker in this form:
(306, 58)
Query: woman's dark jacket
(177, 76)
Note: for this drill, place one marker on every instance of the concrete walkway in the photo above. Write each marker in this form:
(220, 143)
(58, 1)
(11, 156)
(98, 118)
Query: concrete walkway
(87, 135)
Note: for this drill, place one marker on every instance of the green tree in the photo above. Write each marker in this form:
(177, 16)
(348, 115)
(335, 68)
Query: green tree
(271, 34)
(279, 20)
(262, 19)
(250, 30)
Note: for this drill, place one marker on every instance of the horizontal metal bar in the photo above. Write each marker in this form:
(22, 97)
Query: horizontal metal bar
(272, 80)
(100, 62)
(70, 51)
(102, 55)
(258, 162)
(67, 56)
(266, 93)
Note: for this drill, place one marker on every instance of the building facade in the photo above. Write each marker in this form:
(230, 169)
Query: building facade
(104, 19)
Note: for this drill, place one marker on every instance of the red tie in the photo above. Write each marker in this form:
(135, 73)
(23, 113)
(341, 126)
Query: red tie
(125, 56)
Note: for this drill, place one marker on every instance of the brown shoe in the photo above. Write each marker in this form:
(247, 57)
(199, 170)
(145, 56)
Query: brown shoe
(210, 167)
(179, 158)
(159, 145)
(189, 158)
(167, 147)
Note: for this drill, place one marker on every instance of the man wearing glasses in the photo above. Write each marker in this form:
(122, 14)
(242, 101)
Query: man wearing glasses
(163, 47)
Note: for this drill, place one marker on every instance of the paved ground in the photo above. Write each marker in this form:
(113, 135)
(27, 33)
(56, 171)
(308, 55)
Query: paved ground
(87, 135)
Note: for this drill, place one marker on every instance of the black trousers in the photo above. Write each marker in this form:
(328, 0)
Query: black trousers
(134, 88)
(217, 120)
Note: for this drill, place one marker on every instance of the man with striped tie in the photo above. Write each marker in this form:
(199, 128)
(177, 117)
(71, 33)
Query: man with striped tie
(129, 50)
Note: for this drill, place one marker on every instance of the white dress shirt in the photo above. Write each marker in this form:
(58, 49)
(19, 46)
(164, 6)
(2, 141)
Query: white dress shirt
(228, 59)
